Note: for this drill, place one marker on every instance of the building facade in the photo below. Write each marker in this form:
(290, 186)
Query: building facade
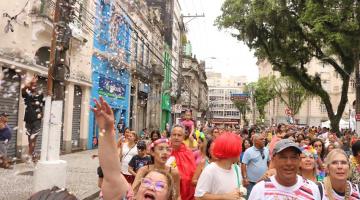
(111, 64)
(313, 111)
(194, 88)
(25, 50)
(173, 30)
(146, 64)
(222, 111)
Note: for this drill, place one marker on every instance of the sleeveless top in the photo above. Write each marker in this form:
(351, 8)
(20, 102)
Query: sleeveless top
(127, 154)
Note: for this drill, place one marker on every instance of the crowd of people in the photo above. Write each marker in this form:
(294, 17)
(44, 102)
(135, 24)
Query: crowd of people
(276, 163)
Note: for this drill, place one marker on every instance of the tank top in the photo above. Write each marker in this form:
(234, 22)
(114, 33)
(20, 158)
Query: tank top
(127, 154)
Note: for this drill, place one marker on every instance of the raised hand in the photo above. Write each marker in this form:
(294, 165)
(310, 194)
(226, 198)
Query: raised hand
(104, 115)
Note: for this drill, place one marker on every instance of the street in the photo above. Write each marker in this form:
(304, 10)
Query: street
(81, 178)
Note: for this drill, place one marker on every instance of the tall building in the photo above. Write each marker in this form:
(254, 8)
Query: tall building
(312, 112)
(222, 110)
(111, 63)
(147, 45)
(173, 30)
(193, 85)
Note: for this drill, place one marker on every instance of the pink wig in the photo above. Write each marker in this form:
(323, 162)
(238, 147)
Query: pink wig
(227, 145)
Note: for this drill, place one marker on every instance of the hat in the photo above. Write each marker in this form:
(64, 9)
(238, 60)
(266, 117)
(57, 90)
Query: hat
(141, 145)
(284, 144)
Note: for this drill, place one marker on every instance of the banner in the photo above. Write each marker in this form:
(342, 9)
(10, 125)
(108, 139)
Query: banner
(111, 88)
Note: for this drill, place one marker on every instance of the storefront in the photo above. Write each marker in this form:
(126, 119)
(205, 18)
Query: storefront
(9, 103)
(113, 85)
(110, 65)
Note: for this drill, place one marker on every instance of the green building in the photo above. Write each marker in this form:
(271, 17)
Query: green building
(166, 88)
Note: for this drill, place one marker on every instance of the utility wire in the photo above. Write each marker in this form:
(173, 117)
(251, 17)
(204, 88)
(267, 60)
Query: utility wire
(137, 29)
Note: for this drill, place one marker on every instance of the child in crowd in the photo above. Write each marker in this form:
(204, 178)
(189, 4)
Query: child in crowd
(139, 160)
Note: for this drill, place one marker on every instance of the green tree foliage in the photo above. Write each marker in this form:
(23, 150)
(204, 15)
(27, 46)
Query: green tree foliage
(290, 33)
(243, 107)
(291, 93)
(263, 93)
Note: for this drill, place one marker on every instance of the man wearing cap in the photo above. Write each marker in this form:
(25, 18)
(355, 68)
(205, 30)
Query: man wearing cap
(286, 184)
(5, 137)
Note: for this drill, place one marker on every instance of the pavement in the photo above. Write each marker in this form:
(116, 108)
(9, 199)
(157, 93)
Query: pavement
(81, 177)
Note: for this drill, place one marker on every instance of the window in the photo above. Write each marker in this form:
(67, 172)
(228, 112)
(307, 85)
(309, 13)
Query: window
(322, 108)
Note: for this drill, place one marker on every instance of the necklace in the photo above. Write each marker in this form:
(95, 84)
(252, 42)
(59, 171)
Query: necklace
(347, 191)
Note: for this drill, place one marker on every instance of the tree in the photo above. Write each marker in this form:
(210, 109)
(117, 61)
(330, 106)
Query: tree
(291, 93)
(290, 33)
(263, 93)
(243, 106)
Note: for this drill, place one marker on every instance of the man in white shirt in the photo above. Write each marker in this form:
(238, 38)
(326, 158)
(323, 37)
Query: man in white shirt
(286, 184)
(222, 179)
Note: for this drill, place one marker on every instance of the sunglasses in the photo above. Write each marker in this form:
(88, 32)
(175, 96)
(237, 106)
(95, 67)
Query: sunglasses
(262, 154)
(158, 185)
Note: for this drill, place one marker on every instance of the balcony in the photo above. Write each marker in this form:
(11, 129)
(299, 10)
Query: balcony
(42, 17)
(158, 70)
(143, 72)
(47, 9)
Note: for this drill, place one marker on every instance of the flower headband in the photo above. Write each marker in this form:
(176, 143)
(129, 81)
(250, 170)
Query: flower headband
(159, 141)
(309, 151)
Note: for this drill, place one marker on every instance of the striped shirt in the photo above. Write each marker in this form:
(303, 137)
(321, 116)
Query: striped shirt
(270, 189)
(354, 193)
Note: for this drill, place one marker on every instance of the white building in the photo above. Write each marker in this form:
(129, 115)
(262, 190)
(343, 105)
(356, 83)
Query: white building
(24, 52)
(222, 110)
(313, 111)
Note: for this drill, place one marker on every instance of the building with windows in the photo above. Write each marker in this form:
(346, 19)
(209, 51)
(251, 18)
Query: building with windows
(111, 64)
(147, 45)
(222, 111)
(25, 51)
(194, 88)
(174, 29)
(313, 111)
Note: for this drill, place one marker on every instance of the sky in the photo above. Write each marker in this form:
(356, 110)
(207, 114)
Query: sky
(222, 52)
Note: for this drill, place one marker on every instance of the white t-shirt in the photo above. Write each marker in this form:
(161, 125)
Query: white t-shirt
(354, 193)
(216, 180)
(271, 190)
(127, 154)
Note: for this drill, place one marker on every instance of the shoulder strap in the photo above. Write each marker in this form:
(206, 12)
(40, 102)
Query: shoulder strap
(237, 175)
(128, 151)
(320, 189)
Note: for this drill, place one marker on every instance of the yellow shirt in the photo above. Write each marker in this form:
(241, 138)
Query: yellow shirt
(193, 146)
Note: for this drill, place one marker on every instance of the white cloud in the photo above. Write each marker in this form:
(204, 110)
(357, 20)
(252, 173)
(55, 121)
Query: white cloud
(232, 56)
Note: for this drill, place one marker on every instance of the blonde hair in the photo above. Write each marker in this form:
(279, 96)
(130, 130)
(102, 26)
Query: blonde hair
(135, 136)
(169, 180)
(314, 169)
(327, 181)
